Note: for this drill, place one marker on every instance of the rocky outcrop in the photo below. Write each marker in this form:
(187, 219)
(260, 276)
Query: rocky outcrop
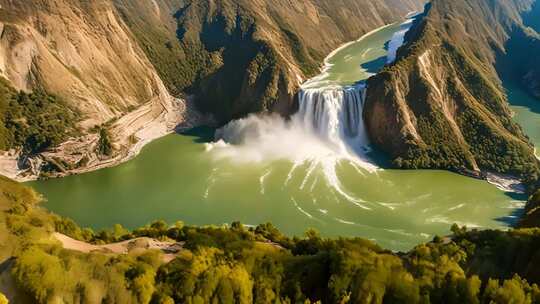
(442, 105)
(80, 50)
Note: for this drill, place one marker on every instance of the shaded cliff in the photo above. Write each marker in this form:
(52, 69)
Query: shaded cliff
(520, 62)
(531, 218)
(442, 105)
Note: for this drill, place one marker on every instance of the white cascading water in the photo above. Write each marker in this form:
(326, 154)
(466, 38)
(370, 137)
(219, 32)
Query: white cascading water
(328, 127)
(327, 130)
(335, 115)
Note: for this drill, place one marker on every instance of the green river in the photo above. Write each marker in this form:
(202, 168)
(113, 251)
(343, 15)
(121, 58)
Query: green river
(185, 177)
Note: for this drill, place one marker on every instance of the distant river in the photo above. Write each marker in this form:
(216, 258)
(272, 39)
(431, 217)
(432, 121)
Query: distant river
(294, 181)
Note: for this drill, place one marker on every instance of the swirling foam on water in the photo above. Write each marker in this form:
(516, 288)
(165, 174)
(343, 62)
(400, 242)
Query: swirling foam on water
(327, 130)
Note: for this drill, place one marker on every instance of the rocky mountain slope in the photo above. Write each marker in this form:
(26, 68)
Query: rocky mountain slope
(82, 52)
(79, 50)
(442, 105)
(118, 67)
(245, 56)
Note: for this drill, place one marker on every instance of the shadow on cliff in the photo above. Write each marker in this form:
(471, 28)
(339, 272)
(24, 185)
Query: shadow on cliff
(512, 219)
(517, 96)
(375, 65)
(200, 135)
(516, 62)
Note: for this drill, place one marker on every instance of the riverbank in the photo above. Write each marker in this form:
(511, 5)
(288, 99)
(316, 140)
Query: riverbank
(129, 134)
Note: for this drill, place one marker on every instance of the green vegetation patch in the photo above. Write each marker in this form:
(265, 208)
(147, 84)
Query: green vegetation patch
(34, 121)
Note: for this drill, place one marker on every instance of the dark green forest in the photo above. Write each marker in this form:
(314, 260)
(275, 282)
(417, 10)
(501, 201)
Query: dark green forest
(34, 121)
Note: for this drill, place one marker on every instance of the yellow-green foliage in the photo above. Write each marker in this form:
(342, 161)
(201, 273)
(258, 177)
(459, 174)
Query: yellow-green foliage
(260, 265)
(3, 299)
(12, 194)
(238, 265)
(52, 274)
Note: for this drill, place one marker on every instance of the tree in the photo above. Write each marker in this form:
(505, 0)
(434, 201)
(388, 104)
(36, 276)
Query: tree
(104, 144)
(3, 299)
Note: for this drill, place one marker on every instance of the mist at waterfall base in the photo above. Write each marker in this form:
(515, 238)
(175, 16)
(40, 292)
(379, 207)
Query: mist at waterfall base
(327, 125)
(327, 130)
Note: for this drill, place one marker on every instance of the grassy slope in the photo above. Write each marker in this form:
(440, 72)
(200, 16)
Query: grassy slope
(461, 119)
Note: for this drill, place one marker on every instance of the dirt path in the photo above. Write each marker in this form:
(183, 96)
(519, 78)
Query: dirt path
(169, 249)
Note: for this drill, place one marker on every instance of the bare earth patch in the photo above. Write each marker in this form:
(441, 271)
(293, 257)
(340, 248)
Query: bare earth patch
(169, 249)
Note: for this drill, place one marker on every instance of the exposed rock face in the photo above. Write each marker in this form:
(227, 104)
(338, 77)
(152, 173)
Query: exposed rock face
(115, 62)
(442, 105)
(248, 56)
(80, 50)
(84, 52)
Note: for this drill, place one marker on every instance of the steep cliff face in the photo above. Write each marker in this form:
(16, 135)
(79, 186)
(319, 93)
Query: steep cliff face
(79, 50)
(83, 52)
(248, 56)
(518, 63)
(441, 105)
(111, 64)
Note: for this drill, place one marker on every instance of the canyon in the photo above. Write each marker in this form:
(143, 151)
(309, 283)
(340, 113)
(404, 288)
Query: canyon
(344, 151)
(143, 69)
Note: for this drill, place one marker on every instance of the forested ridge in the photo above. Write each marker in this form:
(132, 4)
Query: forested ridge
(238, 264)
(442, 105)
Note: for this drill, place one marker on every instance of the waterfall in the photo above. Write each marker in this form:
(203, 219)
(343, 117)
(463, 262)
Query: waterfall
(335, 115)
(324, 139)
(327, 128)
